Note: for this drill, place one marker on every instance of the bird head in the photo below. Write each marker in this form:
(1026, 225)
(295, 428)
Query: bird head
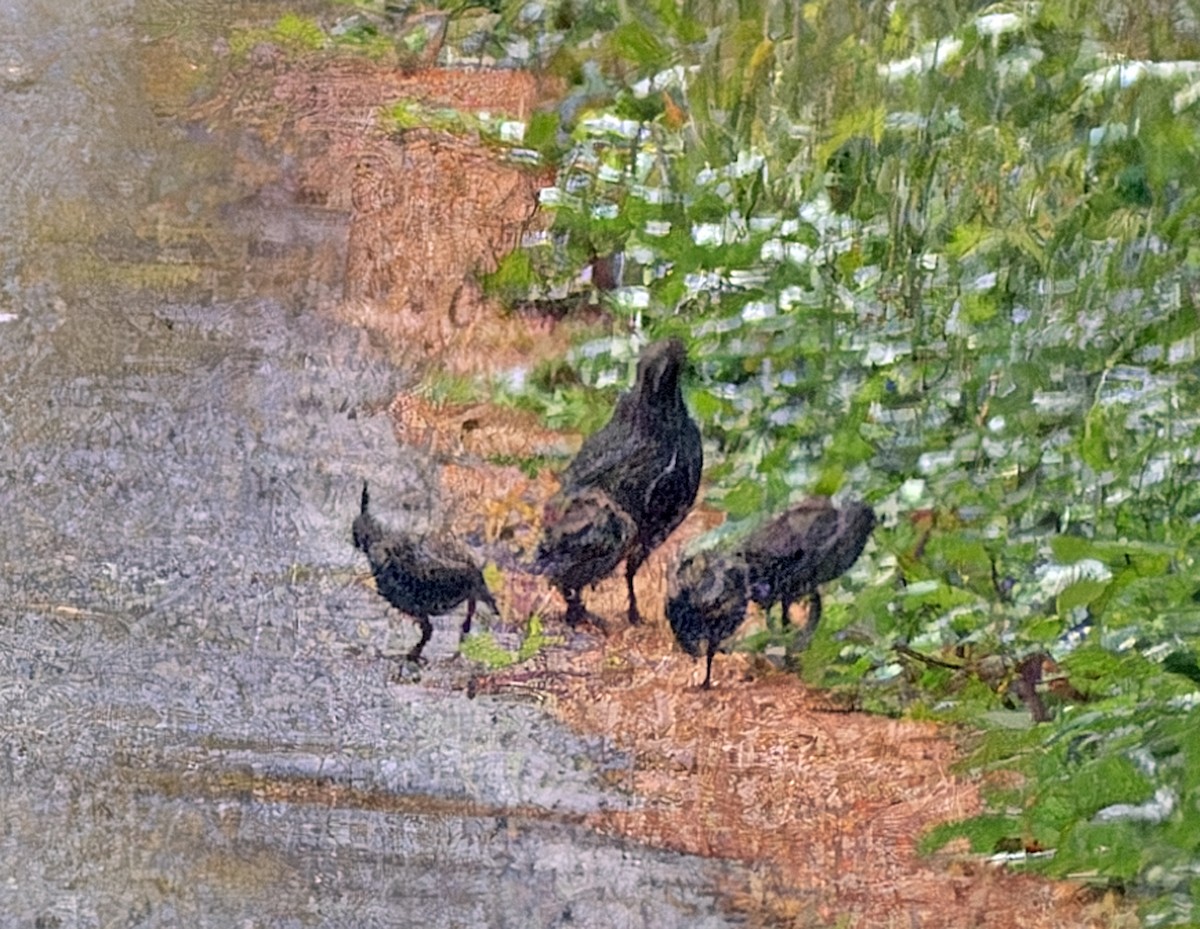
(685, 622)
(687, 593)
(658, 371)
(483, 595)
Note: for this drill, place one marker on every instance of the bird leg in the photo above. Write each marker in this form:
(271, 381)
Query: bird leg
(632, 563)
(787, 609)
(575, 612)
(814, 617)
(414, 654)
(466, 626)
(712, 647)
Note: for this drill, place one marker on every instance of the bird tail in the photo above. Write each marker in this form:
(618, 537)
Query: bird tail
(365, 530)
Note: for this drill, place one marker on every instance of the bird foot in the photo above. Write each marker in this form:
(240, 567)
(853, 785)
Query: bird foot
(363, 650)
(407, 671)
(792, 660)
(574, 618)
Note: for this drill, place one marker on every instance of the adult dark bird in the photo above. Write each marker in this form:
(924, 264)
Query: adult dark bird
(647, 459)
(422, 576)
(585, 535)
(803, 547)
(706, 602)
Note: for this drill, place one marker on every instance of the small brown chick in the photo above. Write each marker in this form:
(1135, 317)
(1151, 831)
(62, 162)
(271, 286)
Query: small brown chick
(422, 576)
(585, 535)
(807, 545)
(707, 602)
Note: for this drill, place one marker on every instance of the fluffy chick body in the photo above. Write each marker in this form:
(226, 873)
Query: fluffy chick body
(707, 602)
(803, 547)
(585, 536)
(422, 576)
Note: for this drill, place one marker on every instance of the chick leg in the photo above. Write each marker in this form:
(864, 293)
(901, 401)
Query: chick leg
(414, 654)
(575, 612)
(814, 617)
(712, 648)
(632, 563)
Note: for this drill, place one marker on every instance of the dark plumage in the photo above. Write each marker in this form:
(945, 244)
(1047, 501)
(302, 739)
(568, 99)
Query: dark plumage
(422, 576)
(647, 459)
(707, 602)
(584, 537)
(801, 548)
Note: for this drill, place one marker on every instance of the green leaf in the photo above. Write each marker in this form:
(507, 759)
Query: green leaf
(829, 480)
(744, 498)
(980, 307)
(969, 238)
(1095, 446)
(985, 833)
(1043, 629)
(536, 639)
(1081, 593)
(298, 32)
(513, 277)
(482, 647)
(635, 42)
(541, 132)
(705, 404)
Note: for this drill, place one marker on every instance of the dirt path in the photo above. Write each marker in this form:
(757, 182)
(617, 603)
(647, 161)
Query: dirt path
(827, 806)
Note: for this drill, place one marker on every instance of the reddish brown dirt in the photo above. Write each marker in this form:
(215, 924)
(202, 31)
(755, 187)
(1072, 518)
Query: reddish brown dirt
(427, 211)
(826, 806)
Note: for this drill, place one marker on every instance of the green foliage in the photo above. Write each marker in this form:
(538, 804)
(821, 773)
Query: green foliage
(483, 648)
(513, 277)
(297, 32)
(1107, 790)
(555, 392)
(441, 386)
(541, 135)
(298, 35)
(411, 114)
(636, 43)
(535, 639)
